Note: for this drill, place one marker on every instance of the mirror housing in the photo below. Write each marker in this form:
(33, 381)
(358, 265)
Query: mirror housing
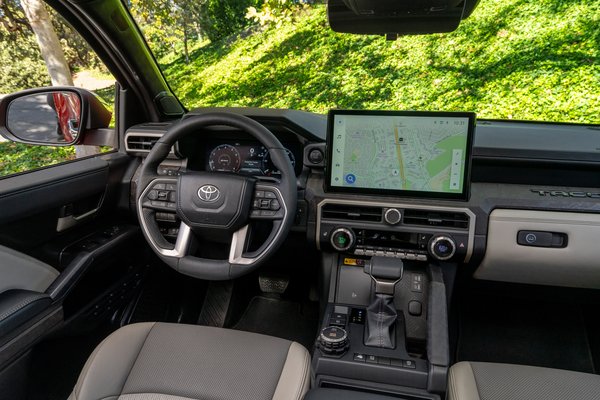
(397, 17)
(57, 116)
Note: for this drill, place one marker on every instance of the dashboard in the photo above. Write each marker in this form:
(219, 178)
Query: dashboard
(522, 180)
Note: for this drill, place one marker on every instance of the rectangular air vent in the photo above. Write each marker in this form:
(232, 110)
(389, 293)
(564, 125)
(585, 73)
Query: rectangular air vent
(445, 219)
(351, 212)
(140, 142)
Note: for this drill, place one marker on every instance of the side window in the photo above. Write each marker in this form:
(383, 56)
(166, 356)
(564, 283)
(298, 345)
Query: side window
(39, 48)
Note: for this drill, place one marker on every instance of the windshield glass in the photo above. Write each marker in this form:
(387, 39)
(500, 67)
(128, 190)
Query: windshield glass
(511, 59)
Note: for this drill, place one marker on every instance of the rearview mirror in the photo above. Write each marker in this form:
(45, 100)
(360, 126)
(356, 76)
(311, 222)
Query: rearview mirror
(51, 118)
(397, 17)
(56, 116)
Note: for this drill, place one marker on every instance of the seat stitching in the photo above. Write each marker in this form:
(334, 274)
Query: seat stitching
(136, 358)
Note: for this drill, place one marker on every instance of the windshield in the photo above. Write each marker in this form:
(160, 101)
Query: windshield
(511, 59)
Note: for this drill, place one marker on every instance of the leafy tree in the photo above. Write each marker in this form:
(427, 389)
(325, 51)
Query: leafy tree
(168, 23)
(222, 18)
(276, 12)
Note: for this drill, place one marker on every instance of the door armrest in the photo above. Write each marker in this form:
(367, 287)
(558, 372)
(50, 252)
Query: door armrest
(19, 306)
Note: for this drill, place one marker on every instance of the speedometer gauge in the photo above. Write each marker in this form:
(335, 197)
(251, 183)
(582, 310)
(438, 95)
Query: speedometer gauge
(268, 166)
(224, 158)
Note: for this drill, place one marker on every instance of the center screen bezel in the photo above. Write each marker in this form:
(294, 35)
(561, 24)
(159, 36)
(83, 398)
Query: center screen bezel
(464, 195)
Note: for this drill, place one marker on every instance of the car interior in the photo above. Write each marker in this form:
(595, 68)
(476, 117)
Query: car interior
(258, 253)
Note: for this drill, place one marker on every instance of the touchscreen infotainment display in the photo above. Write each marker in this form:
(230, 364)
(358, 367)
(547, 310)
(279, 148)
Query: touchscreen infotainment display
(421, 154)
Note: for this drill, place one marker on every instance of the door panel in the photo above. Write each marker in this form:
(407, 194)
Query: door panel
(38, 206)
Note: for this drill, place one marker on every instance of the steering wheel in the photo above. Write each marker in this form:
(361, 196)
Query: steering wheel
(216, 205)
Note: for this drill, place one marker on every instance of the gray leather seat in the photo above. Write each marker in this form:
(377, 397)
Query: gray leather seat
(488, 381)
(158, 361)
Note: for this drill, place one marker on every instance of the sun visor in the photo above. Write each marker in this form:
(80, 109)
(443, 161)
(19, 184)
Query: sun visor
(397, 17)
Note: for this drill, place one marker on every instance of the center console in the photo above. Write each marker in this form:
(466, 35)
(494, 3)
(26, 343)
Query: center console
(385, 327)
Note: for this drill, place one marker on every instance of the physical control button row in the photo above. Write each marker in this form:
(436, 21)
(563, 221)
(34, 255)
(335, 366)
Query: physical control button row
(265, 204)
(383, 252)
(394, 362)
(163, 195)
(262, 204)
(267, 194)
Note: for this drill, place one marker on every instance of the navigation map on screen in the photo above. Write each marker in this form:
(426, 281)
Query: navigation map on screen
(399, 152)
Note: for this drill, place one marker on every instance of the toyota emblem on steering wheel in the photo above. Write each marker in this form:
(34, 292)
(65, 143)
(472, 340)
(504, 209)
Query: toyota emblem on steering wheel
(209, 193)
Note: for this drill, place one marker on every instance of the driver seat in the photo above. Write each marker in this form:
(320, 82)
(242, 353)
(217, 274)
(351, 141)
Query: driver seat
(161, 361)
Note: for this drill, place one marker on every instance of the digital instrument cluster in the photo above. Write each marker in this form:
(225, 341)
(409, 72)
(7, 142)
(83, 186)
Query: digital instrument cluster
(245, 158)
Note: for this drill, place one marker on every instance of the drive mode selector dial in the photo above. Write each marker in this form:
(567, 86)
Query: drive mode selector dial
(342, 239)
(442, 247)
(333, 340)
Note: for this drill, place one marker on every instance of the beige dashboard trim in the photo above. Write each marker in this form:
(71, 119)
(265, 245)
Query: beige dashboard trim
(576, 265)
(471, 231)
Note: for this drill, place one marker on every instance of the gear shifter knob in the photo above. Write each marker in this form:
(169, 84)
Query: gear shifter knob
(386, 272)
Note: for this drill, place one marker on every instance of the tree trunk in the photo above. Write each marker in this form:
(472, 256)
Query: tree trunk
(50, 47)
(53, 54)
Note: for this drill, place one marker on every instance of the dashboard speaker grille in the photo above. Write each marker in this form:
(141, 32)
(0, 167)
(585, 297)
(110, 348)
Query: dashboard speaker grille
(351, 213)
(436, 218)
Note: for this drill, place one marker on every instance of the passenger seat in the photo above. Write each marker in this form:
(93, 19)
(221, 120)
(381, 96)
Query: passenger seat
(489, 381)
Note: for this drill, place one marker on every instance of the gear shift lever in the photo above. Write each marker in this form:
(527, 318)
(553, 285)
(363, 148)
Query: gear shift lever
(380, 329)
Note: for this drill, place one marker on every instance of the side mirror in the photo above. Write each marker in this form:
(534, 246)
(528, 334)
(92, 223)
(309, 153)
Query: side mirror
(57, 116)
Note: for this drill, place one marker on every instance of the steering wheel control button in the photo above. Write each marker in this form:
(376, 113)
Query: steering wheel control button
(152, 195)
(442, 247)
(342, 239)
(163, 195)
(275, 206)
(333, 340)
(392, 216)
(268, 213)
(270, 195)
(259, 194)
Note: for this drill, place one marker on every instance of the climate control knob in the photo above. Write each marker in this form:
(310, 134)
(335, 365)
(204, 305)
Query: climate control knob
(442, 247)
(342, 239)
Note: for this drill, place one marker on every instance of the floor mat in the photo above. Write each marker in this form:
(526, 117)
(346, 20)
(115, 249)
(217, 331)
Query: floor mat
(281, 318)
(504, 330)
